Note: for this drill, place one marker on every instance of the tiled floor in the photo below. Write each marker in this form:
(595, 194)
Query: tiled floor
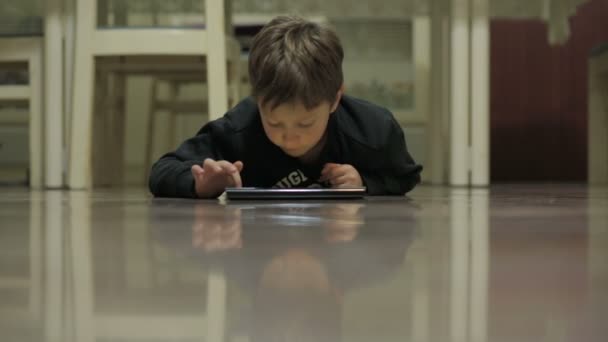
(510, 263)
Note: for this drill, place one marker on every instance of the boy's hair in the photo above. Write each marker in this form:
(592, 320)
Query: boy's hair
(295, 60)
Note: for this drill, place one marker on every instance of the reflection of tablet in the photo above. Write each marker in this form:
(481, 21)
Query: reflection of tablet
(264, 193)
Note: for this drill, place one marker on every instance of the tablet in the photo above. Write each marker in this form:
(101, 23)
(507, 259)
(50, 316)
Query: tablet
(265, 193)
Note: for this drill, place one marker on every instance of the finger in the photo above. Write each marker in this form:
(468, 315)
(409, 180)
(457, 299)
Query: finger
(328, 176)
(335, 172)
(197, 170)
(238, 182)
(239, 165)
(211, 166)
(233, 180)
(233, 171)
(329, 166)
(329, 171)
(198, 173)
(326, 168)
(227, 166)
(345, 180)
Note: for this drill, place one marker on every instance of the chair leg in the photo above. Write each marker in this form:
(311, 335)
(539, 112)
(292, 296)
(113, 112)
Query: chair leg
(36, 123)
(216, 59)
(118, 128)
(173, 98)
(101, 147)
(81, 128)
(82, 106)
(149, 148)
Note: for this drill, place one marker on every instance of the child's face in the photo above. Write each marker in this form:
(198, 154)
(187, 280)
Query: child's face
(295, 129)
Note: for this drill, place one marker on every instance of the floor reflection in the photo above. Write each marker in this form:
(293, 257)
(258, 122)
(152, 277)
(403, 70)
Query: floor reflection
(525, 264)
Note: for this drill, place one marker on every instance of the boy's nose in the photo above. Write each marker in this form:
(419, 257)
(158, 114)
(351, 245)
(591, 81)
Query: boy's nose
(290, 140)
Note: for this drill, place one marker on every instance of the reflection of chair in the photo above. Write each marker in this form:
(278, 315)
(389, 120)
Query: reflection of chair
(464, 268)
(119, 320)
(598, 117)
(27, 50)
(92, 42)
(24, 273)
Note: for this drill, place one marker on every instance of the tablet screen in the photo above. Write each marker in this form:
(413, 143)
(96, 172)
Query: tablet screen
(264, 193)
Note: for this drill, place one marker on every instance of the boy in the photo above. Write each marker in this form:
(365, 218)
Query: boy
(297, 130)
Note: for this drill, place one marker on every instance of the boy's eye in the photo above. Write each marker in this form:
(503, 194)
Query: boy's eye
(274, 124)
(306, 125)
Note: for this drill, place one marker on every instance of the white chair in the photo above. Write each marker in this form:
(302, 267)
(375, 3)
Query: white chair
(212, 42)
(177, 106)
(28, 50)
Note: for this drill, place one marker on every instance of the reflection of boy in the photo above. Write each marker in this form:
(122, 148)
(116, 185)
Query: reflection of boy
(297, 274)
(213, 234)
(296, 300)
(298, 292)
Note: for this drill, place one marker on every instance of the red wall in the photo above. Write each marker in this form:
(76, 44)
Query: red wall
(539, 97)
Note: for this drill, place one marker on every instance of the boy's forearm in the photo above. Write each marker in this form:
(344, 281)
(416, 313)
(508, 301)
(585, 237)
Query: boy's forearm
(373, 184)
(172, 178)
(378, 185)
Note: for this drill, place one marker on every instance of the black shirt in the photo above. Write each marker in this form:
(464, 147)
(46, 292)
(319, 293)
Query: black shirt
(359, 133)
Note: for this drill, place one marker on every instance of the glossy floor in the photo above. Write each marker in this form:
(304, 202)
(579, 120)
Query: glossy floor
(510, 263)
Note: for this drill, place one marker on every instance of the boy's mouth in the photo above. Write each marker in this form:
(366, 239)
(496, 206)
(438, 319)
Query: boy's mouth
(294, 152)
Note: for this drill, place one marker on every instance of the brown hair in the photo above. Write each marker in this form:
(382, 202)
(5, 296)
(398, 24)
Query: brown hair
(295, 60)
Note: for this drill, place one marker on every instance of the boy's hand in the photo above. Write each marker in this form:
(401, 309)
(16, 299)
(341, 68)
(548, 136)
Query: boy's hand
(341, 175)
(212, 232)
(214, 177)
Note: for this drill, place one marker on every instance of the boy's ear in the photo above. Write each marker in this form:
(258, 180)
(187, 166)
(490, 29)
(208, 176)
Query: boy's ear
(334, 106)
(259, 102)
